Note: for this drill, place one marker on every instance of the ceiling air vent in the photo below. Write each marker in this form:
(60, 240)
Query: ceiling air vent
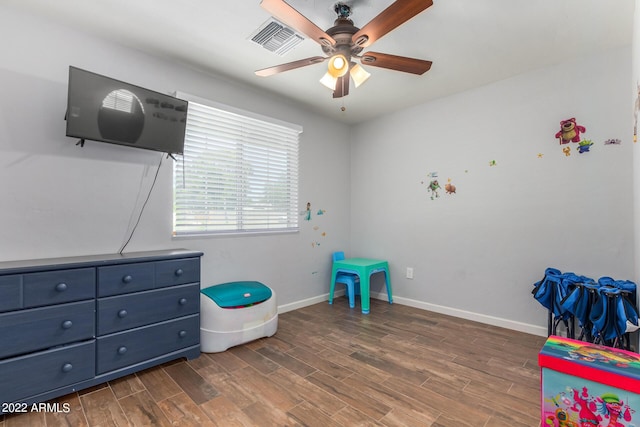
(276, 37)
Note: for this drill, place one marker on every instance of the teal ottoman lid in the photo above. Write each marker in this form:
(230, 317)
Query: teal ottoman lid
(237, 294)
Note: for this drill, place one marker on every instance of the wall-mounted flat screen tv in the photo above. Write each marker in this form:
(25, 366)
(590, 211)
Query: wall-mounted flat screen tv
(103, 109)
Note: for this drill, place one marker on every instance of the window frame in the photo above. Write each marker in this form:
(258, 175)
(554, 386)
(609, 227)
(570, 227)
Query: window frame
(244, 140)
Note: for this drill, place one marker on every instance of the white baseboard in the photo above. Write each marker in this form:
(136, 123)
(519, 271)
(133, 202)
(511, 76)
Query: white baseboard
(309, 301)
(469, 315)
(463, 314)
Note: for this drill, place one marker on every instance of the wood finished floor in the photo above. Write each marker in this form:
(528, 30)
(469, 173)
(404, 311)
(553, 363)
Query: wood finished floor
(329, 365)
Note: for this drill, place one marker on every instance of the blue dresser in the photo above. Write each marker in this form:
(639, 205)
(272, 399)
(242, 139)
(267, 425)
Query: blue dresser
(72, 323)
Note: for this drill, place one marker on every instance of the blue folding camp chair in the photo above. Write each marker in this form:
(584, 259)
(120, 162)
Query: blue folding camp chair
(579, 303)
(551, 291)
(544, 290)
(605, 310)
(614, 314)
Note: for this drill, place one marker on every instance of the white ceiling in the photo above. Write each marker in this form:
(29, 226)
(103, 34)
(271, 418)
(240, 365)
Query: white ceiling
(471, 42)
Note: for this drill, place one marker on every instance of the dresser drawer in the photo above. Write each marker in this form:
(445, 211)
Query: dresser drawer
(134, 346)
(122, 312)
(120, 279)
(10, 292)
(177, 272)
(39, 328)
(25, 376)
(54, 287)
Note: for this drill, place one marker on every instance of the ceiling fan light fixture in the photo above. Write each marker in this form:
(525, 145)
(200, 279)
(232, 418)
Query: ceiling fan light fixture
(329, 81)
(345, 41)
(338, 66)
(358, 74)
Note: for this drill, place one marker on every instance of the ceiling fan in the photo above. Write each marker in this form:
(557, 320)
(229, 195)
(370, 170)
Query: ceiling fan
(345, 42)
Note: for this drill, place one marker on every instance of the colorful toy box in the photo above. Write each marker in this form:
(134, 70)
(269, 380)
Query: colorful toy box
(588, 385)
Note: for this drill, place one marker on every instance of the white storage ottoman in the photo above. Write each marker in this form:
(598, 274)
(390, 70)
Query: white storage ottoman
(235, 313)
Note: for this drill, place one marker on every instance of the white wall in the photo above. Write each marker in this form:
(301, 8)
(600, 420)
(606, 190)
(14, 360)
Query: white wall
(63, 200)
(477, 253)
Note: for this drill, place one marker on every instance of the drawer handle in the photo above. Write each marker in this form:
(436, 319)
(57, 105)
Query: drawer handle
(67, 324)
(67, 367)
(122, 314)
(122, 350)
(179, 272)
(182, 301)
(61, 287)
(127, 279)
(182, 334)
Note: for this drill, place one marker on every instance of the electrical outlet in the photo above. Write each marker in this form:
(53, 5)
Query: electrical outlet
(409, 272)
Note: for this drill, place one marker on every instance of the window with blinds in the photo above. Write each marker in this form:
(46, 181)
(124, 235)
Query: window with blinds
(238, 174)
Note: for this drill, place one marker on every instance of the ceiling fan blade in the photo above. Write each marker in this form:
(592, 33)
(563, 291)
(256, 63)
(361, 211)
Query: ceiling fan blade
(342, 87)
(395, 15)
(398, 63)
(288, 15)
(265, 72)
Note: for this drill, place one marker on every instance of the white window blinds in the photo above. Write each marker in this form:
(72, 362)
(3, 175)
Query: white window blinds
(239, 173)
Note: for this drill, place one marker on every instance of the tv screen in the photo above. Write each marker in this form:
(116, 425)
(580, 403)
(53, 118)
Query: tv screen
(103, 109)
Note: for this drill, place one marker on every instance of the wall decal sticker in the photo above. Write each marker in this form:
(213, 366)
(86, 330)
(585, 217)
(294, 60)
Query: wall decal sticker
(449, 187)
(615, 141)
(569, 131)
(431, 175)
(307, 213)
(567, 151)
(433, 188)
(492, 163)
(584, 145)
